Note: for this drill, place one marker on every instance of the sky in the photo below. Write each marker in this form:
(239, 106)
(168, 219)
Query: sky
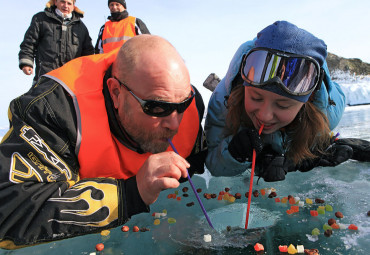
(205, 32)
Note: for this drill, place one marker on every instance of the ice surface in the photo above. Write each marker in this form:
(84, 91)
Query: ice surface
(345, 187)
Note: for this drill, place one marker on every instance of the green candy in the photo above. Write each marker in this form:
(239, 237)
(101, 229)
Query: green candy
(315, 232)
(320, 211)
(176, 192)
(171, 220)
(326, 227)
(328, 208)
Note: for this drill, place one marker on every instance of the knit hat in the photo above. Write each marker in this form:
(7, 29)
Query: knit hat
(123, 2)
(287, 37)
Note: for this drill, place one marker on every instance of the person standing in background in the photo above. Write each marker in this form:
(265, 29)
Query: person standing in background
(120, 27)
(55, 36)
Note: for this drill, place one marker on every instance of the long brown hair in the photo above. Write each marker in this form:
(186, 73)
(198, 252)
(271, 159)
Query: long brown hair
(307, 132)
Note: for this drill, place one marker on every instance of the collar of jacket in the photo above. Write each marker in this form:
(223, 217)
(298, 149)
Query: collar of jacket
(117, 130)
(118, 16)
(51, 4)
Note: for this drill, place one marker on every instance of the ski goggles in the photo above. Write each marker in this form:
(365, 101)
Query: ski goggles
(160, 108)
(296, 74)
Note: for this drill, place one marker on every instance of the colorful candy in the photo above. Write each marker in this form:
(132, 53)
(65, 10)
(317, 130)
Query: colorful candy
(328, 208)
(259, 247)
(125, 228)
(339, 215)
(171, 220)
(105, 232)
(309, 201)
(283, 248)
(292, 249)
(314, 213)
(99, 247)
(157, 221)
(326, 227)
(315, 232)
(135, 229)
(207, 238)
(353, 227)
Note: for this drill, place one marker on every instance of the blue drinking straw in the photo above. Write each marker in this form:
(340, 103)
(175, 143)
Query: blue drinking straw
(192, 186)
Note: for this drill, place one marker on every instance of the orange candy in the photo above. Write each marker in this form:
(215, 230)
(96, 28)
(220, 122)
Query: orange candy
(99, 247)
(263, 192)
(294, 208)
(259, 247)
(277, 200)
(135, 229)
(179, 198)
(220, 197)
(289, 211)
(283, 248)
(353, 227)
(169, 195)
(334, 226)
(291, 201)
(125, 229)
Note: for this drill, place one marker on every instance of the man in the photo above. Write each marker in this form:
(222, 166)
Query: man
(88, 146)
(120, 27)
(54, 37)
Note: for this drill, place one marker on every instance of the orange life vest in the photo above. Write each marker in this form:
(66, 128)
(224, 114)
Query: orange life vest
(99, 153)
(115, 34)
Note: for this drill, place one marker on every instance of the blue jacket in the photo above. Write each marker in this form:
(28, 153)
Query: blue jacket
(219, 161)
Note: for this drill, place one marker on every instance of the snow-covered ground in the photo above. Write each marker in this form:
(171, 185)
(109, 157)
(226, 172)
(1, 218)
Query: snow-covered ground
(355, 87)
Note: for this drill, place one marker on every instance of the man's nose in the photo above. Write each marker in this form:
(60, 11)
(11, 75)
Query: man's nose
(172, 121)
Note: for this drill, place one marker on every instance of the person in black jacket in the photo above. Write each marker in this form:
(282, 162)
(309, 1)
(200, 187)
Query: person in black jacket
(55, 36)
(88, 147)
(115, 36)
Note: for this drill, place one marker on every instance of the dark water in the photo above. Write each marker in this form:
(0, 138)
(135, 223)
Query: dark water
(345, 187)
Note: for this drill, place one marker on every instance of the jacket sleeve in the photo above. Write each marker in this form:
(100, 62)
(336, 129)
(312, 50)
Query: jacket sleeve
(87, 47)
(42, 197)
(98, 45)
(29, 44)
(140, 27)
(330, 99)
(219, 161)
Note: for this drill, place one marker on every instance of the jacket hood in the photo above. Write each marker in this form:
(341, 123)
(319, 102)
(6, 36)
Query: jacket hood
(76, 9)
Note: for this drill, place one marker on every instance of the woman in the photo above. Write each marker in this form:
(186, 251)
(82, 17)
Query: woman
(279, 80)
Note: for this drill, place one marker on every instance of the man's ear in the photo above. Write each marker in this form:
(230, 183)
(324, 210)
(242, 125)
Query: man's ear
(114, 90)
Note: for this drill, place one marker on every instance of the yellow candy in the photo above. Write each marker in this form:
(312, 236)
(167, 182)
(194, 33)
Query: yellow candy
(308, 201)
(164, 211)
(171, 220)
(105, 232)
(231, 199)
(292, 249)
(157, 222)
(226, 196)
(321, 207)
(284, 200)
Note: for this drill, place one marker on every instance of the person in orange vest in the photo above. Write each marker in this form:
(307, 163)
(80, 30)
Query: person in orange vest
(88, 147)
(119, 28)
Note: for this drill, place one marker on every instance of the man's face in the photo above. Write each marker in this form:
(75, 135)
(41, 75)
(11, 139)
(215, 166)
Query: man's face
(116, 7)
(65, 6)
(170, 85)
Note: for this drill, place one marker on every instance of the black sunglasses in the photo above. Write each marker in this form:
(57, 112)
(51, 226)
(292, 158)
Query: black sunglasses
(160, 108)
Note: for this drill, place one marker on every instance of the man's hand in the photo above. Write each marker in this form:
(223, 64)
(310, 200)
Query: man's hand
(159, 172)
(27, 70)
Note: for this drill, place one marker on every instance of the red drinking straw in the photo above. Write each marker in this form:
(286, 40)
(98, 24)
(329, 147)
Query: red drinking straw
(251, 182)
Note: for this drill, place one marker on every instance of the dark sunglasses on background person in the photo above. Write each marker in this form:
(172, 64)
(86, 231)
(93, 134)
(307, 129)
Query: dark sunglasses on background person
(160, 108)
(298, 75)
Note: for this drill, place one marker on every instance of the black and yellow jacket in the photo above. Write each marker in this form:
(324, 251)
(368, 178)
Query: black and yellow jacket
(42, 195)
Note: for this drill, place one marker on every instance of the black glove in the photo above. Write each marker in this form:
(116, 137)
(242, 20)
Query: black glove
(242, 144)
(272, 166)
(361, 148)
(334, 155)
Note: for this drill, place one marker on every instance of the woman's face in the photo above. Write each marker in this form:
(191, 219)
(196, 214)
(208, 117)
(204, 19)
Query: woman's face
(270, 109)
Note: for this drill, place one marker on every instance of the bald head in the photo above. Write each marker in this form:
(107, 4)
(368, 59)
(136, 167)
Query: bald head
(146, 53)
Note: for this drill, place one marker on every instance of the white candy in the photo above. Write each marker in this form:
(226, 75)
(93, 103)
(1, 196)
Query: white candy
(301, 203)
(157, 215)
(342, 226)
(268, 191)
(296, 199)
(207, 238)
(92, 253)
(300, 248)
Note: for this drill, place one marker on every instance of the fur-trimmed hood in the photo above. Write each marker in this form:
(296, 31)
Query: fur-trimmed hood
(52, 2)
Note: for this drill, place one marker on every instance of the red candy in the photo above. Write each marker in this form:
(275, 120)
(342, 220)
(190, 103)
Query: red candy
(125, 229)
(99, 247)
(283, 248)
(314, 213)
(353, 227)
(259, 247)
(135, 229)
(277, 200)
